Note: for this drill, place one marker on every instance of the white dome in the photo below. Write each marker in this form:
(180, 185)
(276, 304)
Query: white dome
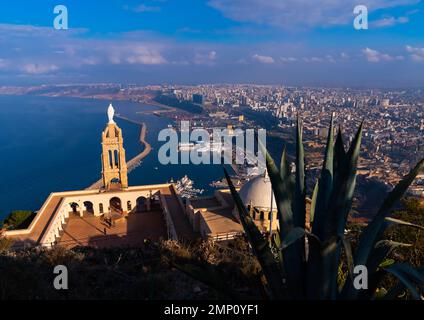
(257, 192)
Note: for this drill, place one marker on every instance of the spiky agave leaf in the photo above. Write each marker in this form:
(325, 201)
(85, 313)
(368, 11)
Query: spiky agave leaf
(260, 246)
(293, 256)
(296, 254)
(391, 220)
(297, 234)
(378, 260)
(398, 288)
(344, 187)
(299, 205)
(276, 242)
(299, 209)
(281, 190)
(344, 174)
(313, 203)
(338, 209)
(319, 220)
(349, 255)
(324, 189)
(339, 153)
(373, 232)
(394, 291)
(344, 184)
(408, 276)
(375, 228)
(285, 171)
(294, 235)
(381, 251)
(314, 265)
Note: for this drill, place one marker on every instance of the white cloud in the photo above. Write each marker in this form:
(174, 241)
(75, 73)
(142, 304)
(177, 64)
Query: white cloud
(180, 63)
(44, 50)
(3, 63)
(35, 68)
(114, 58)
(145, 8)
(417, 58)
(371, 55)
(205, 58)
(289, 14)
(389, 21)
(263, 59)
(27, 30)
(289, 59)
(315, 59)
(375, 56)
(143, 55)
(42, 53)
(416, 54)
(242, 61)
(344, 55)
(417, 50)
(212, 55)
(91, 61)
(330, 58)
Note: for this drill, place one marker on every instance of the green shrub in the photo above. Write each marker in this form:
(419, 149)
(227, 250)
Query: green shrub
(5, 243)
(19, 219)
(113, 273)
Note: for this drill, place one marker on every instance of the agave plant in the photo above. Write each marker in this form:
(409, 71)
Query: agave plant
(308, 260)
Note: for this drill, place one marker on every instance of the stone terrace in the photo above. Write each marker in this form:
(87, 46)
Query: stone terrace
(56, 222)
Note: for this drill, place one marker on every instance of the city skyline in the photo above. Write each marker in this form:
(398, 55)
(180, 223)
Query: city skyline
(192, 42)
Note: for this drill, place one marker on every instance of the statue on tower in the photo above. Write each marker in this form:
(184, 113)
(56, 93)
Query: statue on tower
(114, 165)
(110, 114)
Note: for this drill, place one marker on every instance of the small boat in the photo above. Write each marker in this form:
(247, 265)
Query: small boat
(184, 187)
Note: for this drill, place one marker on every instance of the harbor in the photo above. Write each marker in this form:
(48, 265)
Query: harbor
(185, 188)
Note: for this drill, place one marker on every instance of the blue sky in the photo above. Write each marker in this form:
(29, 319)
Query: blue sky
(292, 42)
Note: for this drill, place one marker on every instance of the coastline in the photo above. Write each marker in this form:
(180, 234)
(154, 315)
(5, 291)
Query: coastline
(53, 110)
(163, 108)
(135, 161)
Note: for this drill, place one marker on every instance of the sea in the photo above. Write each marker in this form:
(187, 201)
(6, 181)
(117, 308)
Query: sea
(52, 144)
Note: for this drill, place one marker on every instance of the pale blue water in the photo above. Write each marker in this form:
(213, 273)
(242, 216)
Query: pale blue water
(53, 144)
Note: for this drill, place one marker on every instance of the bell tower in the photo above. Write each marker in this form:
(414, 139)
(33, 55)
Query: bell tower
(114, 165)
